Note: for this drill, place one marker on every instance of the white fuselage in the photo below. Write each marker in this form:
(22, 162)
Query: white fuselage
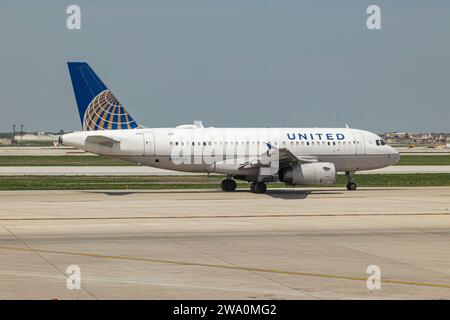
(198, 149)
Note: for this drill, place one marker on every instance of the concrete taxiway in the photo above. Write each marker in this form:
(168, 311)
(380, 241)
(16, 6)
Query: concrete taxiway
(149, 171)
(287, 244)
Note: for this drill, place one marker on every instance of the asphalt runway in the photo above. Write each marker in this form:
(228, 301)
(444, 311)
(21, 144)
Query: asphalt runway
(287, 244)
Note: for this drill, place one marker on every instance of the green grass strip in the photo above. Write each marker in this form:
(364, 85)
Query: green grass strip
(199, 182)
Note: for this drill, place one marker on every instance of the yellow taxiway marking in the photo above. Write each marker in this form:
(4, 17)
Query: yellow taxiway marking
(230, 267)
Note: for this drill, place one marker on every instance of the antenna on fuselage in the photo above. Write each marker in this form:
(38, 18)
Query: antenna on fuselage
(346, 125)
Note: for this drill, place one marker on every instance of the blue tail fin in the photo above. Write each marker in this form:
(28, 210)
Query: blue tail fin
(98, 108)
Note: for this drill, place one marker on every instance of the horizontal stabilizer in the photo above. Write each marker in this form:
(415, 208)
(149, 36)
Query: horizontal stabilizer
(102, 140)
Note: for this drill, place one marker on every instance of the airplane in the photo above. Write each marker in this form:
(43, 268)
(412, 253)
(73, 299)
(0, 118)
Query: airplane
(295, 156)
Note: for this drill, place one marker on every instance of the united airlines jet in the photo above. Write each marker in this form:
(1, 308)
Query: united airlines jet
(295, 156)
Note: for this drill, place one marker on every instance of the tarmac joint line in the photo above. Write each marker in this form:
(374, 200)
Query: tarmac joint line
(240, 268)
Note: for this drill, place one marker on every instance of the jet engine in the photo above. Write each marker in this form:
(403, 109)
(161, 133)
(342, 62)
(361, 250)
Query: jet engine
(318, 173)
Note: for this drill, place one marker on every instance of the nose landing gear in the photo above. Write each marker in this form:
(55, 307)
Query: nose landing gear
(350, 184)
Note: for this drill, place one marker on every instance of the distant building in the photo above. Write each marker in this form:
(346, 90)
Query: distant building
(417, 138)
(39, 136)
(4, 141)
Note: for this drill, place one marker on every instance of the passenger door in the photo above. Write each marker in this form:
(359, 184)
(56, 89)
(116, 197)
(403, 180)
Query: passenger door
(149, 143)
(360, 144)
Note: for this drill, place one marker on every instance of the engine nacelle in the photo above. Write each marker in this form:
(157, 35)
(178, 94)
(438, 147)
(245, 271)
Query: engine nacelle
(318, 173)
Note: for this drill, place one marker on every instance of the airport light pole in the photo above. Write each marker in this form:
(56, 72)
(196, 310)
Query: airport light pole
(21, 134)
(13, 134)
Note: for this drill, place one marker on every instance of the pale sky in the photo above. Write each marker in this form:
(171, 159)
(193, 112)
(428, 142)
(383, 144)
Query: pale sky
(232, 63)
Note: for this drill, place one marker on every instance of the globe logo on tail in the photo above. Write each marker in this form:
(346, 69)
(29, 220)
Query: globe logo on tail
(106, 113)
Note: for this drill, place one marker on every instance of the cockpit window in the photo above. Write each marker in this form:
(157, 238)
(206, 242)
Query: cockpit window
(382, 142)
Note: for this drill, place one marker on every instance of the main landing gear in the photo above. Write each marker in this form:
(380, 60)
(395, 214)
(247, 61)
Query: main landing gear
(258, 187)
(228, 185)
(350, 184)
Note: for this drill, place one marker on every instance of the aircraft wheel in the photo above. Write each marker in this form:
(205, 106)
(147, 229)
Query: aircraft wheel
(351, 186)
(252, 186)
(228, 185)
(260, 187)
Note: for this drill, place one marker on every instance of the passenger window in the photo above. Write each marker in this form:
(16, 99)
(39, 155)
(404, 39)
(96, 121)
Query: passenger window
(334, 143)
(307, 143)
(176, 143)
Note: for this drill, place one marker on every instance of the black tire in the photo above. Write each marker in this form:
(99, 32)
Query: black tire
(351, 186)
(228, 185)
(260, 187)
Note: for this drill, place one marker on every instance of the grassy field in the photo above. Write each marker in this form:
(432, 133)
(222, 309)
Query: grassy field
(424, 160)
(105, 161)
(197, 182)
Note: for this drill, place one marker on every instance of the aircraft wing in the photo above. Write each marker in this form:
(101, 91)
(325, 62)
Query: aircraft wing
(286, 158)
(102, 140)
